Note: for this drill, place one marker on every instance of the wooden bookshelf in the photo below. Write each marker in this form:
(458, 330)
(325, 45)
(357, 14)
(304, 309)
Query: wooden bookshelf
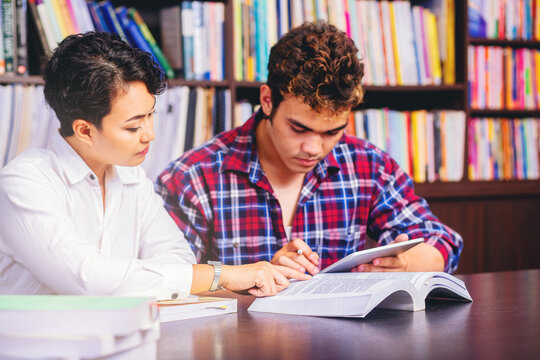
(478, 189)
(502, 42)
(14, 79)
(478, 209)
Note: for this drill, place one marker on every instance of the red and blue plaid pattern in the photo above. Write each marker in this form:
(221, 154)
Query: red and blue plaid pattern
(220, 198)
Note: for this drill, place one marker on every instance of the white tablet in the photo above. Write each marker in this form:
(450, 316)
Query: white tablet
(365, 256)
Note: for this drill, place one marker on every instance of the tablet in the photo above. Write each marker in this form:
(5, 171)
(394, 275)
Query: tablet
(365, 256)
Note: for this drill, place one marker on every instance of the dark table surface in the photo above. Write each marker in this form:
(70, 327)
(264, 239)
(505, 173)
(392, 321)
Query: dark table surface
(503, 322)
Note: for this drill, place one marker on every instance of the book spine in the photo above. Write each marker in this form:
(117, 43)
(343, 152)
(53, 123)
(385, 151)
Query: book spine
(97, 18)
(47, 26)
(170, 20)
(111, 20)
(39, 26)
(83, 16)
(238, 54)
(426, 54)
(384, 12)
(212, 40)
(2, 56)
(198, 41)
(150, 39)
(21, 55)
(472, 150)
(187, 38)
(59, 18)
(8, 23)
(132, 31)
(67, 17)
(397, 55)
(75, 21)
(252, 62)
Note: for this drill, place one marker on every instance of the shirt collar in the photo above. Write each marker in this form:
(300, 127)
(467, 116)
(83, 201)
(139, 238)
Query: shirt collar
(243, 155)
(75, 169)
(72, 165)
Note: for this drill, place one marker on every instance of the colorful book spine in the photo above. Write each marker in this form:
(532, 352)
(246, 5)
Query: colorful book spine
(238, 53)
(2, 56)
(8, 22)
(21, 38)
(187, 39)
(134, 14)
(97, 17)
(59, 18)
(109, 15)
(132, 31)
(76, 28)
(41, 33)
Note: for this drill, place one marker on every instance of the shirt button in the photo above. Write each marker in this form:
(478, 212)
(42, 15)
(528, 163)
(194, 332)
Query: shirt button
(92, 177)
(174, 295)
(235, 244)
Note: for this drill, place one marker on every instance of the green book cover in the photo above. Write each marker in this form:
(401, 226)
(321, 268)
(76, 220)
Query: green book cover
(134, 14)
(67, 302)
(73, 314)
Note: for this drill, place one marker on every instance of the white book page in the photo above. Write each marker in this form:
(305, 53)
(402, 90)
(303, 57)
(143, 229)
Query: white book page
(343, 283)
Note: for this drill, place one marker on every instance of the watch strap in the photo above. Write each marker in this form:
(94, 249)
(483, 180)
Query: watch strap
(217, 274)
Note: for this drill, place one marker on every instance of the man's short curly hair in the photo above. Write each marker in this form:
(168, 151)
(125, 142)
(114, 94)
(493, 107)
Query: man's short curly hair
(318, 63)
(87, 71)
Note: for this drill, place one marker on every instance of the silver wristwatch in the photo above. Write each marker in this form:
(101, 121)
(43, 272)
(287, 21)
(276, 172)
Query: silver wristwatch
(217, 274)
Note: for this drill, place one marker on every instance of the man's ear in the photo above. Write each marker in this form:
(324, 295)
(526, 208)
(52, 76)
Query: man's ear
(83, 130)
(266, 99)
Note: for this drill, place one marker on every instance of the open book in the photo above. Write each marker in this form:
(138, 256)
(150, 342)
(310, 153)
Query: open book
(195, 306)
(356, 294)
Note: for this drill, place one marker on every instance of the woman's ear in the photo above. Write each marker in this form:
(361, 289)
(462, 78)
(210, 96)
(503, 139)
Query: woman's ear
(266, 100)
(83, 130)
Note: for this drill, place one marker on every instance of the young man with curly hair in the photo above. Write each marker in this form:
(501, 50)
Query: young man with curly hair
(289, 179)
(80, 217)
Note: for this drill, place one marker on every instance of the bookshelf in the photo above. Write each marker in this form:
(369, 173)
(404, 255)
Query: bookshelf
(494, 217)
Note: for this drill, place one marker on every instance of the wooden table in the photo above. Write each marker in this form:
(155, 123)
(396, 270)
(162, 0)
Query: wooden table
(503, 322)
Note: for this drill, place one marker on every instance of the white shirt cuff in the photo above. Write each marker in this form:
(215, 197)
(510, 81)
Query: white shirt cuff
(177, 281)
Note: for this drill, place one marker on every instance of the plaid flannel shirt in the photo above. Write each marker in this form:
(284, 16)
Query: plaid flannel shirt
(220, 197)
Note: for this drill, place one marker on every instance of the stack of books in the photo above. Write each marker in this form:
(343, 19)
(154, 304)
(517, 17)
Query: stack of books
(78, 327)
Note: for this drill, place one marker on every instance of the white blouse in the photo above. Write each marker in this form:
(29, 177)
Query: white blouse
(56, 238)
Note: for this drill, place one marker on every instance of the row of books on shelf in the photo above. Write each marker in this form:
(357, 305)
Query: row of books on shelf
(504, 78)
(25, 120)
(504, 19)
(503, 149)
(56, 19)
(185, 118)
(428, 145)
(193, 39)
(401, 44)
